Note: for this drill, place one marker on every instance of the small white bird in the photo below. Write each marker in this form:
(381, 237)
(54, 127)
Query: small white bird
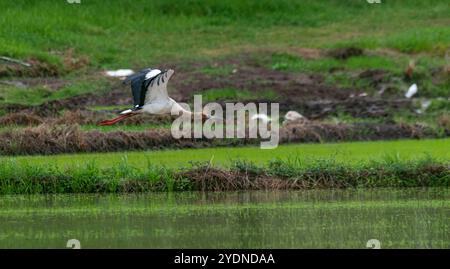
(411, 91)
(293, 115)
(119, 73)
(262, 117)
(149, 89)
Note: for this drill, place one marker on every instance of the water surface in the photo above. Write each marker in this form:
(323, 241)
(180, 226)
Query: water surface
(409, 218)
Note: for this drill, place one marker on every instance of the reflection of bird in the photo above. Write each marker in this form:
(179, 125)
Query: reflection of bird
(149, 89)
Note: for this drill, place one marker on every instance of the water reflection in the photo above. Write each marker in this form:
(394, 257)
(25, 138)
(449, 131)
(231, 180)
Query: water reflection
(408, 218)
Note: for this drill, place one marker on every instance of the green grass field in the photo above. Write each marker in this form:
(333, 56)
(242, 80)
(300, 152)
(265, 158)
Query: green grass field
(349, 153)
(136, 33)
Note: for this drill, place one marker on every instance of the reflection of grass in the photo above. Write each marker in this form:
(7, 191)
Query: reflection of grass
(286, 219)
(233, 94)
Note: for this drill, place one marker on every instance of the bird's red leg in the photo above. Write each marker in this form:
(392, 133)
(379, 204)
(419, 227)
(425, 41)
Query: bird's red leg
(115, 120)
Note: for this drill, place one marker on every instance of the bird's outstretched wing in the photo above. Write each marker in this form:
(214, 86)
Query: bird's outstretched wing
(157, 87)
(139, 85)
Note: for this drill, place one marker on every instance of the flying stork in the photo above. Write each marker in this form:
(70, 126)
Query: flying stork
(149, 89)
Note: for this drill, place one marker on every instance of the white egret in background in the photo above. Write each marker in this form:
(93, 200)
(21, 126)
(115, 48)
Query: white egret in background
(293, 115)
(262, 117)
(411, 91)
(119, 73)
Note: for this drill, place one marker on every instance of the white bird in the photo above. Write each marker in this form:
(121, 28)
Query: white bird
(411, 91)
(149, 89)
(119, 73)
(262, 117)
(293, 115)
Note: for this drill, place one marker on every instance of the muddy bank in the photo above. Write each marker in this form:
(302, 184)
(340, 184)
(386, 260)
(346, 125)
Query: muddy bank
(54, 139)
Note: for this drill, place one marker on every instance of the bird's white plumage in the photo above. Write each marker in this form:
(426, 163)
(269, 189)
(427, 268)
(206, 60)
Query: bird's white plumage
(153, 73)
(119, 73)
(157, 90)
(262, 117)
(126, 111)
(411, 91)
(293, 115)
(157, 101)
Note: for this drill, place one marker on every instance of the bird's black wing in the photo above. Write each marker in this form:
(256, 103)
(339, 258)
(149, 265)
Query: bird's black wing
(136, 75)
(139, 85)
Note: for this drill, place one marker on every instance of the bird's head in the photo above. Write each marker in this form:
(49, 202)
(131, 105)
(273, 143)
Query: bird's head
(169, 73)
